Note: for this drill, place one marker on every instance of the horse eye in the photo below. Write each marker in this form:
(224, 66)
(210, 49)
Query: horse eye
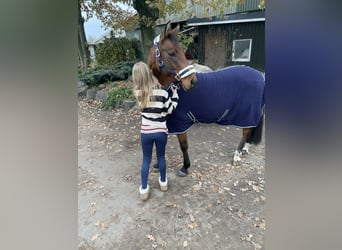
(171, 53)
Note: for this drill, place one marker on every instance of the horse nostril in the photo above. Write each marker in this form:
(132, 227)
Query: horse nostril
(193, 84)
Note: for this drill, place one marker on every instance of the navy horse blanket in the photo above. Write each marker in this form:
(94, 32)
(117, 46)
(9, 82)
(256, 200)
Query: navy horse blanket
(230, 96)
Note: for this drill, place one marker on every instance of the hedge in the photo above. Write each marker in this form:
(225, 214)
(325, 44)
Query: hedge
(102, 74)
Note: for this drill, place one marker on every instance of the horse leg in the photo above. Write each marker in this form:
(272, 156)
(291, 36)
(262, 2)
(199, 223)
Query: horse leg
(243, 146)
(183, 143)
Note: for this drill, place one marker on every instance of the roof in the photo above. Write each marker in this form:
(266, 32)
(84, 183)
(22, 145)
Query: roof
(242, 17)
(107, 34)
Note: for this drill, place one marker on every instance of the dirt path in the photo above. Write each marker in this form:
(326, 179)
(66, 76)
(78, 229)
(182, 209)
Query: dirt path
(217, 206)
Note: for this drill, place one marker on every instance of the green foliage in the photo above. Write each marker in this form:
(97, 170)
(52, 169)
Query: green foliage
(261, 4)
(114, 50)
(185, 40)
(113, 16)
(102, 74)
(117, 96)
(137, 49)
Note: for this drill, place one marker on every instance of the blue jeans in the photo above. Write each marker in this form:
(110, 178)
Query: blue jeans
(147, 141)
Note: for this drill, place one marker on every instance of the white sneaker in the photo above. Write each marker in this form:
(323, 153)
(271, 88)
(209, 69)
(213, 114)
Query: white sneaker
(144, 193)
(163, 185)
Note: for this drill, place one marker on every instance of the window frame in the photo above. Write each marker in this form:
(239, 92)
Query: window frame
(248, 59)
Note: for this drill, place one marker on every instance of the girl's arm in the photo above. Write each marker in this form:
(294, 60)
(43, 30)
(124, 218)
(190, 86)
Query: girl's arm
(174, 100)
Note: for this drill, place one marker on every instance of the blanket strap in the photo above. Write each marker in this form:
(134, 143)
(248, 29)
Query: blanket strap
(223, 115)
(192, 117)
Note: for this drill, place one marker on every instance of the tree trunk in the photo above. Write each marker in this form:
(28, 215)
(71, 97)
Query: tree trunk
(147, 16)
(83, 52)
(147, 35)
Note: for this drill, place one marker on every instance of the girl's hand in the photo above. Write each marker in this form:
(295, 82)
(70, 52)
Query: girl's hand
(174, 88)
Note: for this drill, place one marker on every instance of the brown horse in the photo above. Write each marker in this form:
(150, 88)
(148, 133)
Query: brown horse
(230, 96)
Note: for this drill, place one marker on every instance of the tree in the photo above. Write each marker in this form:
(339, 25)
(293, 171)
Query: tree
(148, 14)
(83, 52)
(113, 15)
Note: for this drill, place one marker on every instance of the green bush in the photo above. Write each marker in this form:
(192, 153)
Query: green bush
(102, 74)
(185, 40)
(117, 96)
(114, 50)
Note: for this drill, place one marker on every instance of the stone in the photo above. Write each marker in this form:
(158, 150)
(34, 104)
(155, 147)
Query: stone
(80, 84)
(128, 104)
(101, 95)
(91, 93)
(101, 86)
(82, 91)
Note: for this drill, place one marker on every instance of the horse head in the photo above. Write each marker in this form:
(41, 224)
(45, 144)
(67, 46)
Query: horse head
(168, 62)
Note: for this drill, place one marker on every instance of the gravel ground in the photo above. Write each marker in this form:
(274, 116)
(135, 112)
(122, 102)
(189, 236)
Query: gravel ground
(217, 206)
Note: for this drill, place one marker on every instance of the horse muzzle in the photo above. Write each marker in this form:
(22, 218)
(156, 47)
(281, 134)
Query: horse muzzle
(191, 85)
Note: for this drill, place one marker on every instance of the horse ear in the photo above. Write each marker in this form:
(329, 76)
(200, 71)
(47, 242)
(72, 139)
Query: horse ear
(176, 30)
(167, 30)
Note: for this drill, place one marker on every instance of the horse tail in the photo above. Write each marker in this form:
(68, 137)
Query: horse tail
(256, 132)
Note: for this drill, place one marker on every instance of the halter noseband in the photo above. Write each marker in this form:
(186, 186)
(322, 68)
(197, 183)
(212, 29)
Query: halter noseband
(178, 76)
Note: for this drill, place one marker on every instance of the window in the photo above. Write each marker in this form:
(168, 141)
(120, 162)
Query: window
(242, 49)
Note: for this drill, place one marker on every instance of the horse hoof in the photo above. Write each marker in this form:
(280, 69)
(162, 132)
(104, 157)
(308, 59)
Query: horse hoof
(245, 149)
(182, 172)
(236, 156)
(245, 152)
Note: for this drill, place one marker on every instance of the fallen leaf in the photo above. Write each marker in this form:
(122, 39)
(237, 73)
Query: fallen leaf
(256, 245)
(95, 237)
(256, 200)
(93, 203)
(192, 225)
(104, 225)
(256, 188)
(249, 237)
(262, 225)
(168, 204)
(150, 237)
(241, 213)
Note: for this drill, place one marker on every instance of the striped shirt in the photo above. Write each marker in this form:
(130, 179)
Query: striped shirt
(155, 112)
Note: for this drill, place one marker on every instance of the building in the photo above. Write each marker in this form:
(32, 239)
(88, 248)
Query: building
(236, 37)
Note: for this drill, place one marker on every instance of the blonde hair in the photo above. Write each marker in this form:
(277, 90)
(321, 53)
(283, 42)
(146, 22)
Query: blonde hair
(144, 82)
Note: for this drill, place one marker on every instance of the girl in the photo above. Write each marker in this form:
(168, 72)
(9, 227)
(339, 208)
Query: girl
(155, 104)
